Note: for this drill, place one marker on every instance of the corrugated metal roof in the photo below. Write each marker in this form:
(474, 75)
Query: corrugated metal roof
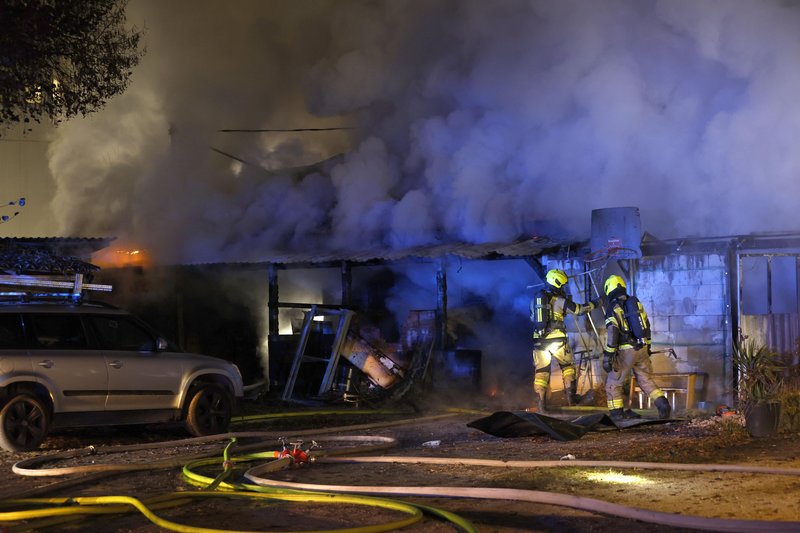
(62, 255)
(78, 246)
(495, 250)
(58, 240)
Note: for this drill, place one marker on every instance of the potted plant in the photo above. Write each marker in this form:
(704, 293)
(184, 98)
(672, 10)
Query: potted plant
(760, 385)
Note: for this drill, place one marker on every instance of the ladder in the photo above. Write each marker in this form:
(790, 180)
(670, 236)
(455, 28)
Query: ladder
(332, 360)
(51, 285)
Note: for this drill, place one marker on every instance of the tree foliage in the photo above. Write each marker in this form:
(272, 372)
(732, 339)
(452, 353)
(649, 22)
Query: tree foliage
(61, 58)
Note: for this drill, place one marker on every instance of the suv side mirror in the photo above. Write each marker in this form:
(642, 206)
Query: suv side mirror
(161, 344)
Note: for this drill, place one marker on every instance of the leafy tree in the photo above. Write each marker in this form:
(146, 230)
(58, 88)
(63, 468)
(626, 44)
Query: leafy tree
(61, 58)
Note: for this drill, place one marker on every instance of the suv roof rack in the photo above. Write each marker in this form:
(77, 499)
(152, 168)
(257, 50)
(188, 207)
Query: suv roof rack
(54, 287)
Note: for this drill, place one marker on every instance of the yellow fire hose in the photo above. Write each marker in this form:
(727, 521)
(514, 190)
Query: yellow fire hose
(262, 488)
(278, 464)
(117, 504)
(110, 504)
(269, 416)
(91, 505)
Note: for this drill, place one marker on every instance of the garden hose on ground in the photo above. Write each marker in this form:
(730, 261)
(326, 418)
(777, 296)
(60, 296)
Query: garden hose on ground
(552, 498)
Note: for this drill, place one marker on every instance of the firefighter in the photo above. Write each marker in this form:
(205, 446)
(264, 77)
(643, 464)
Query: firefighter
(548, 310)
(628, 347)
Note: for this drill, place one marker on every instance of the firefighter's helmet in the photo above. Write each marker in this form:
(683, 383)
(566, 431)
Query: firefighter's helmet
(613, 283)
(556, 278)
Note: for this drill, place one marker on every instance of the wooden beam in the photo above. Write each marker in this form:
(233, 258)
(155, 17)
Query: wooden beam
(347, 283)
(272, 302)
(536, 264)
(441, 305)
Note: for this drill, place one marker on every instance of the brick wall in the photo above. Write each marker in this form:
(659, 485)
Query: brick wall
(686, 299)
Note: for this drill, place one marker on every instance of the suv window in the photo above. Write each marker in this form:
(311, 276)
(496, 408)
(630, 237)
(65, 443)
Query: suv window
(57, 331)
(11, 335)
(121, 333)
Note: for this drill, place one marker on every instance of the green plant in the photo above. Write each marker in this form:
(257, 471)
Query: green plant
(732, 431)
(790, 412)
(760, 374)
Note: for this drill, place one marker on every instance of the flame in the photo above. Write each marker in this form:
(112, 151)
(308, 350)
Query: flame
(121, 256)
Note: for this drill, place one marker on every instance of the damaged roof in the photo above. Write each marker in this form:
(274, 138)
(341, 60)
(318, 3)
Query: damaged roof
(83, 246)
(54, 255)
(529, 247)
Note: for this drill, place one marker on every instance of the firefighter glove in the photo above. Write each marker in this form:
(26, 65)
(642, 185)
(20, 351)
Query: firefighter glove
(607, 364)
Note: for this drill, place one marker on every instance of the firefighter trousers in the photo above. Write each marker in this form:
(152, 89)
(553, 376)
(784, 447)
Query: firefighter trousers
(625, 361)
(543, 354)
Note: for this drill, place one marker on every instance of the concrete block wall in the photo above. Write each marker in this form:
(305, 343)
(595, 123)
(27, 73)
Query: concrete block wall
(686, 298)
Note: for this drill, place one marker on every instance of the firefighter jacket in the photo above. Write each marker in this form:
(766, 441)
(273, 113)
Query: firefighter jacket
(549, 313)
(619, 333)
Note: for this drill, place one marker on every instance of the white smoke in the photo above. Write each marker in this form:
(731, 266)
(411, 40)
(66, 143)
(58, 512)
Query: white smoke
(475, 121)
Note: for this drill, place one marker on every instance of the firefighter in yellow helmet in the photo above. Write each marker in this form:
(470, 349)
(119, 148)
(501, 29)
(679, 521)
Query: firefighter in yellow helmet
(628, 347)
(549, 307)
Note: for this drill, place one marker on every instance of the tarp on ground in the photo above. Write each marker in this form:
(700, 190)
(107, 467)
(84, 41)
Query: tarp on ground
(524, 424)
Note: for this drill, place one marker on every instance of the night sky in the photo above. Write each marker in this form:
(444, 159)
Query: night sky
(467, 120)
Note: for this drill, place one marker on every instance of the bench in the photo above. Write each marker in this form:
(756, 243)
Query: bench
(690, 390)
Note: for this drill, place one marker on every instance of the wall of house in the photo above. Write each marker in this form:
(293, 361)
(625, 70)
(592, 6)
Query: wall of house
(687, 299)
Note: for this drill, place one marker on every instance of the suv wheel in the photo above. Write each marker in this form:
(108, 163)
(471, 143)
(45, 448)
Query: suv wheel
(209, 411)
(24, 422)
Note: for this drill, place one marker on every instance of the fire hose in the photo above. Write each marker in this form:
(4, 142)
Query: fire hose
(266, 488)
(92, 505)
(31, 467)
(69, 509)
(254, 475)
(76, 508)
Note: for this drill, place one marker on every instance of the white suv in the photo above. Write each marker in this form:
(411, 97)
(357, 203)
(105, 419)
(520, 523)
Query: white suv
(73, 365)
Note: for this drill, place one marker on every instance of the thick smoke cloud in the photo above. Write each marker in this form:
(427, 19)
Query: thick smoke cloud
(472, 120)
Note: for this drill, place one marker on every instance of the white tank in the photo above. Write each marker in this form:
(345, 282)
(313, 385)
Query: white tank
(619, 230)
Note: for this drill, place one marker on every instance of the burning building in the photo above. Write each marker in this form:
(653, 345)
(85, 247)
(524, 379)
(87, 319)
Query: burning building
(702, 295)
(456, 123)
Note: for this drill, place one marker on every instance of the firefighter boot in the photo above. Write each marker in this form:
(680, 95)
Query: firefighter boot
(664, 408)
(617, 414)
(541, 399)
(571, 388)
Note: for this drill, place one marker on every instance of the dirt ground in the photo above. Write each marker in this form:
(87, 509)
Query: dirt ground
(700, 440)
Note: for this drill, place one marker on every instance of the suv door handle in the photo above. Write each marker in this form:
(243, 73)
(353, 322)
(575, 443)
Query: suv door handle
(115, 364)
(47, 363)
